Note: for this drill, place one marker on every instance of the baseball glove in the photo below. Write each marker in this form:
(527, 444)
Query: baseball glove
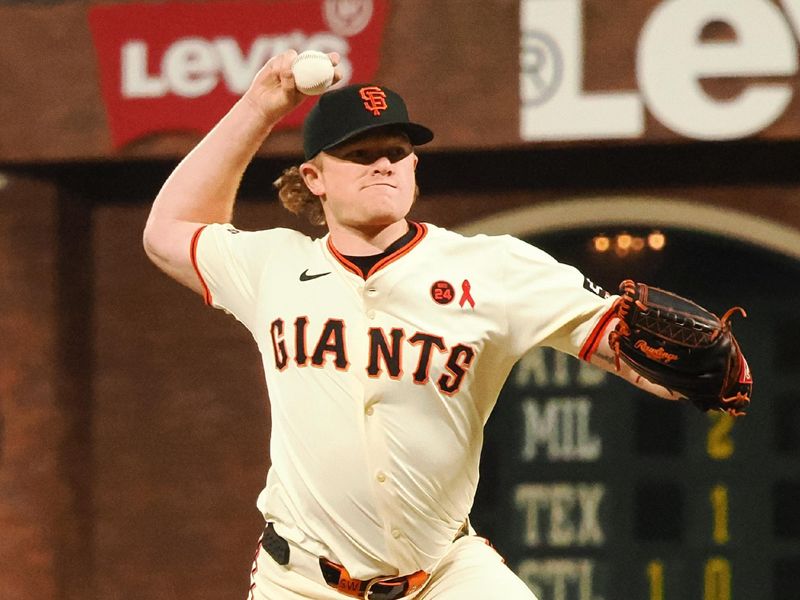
(673, 342)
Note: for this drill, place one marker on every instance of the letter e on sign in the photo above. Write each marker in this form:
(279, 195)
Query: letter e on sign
(672, 60)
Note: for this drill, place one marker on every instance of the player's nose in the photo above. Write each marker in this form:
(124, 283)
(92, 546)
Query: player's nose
(382, 165)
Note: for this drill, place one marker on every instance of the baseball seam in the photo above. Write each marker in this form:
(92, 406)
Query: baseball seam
(300, 59)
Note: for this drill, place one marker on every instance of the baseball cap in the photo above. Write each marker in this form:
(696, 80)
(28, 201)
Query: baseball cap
(348, 111)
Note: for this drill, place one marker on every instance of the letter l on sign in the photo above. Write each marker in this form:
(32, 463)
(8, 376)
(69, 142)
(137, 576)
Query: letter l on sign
(551, 77)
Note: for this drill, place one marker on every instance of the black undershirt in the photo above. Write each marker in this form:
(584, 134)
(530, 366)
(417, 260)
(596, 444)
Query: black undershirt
(365, 263)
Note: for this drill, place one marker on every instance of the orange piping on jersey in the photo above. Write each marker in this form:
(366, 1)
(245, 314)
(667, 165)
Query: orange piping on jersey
(422, 229)
(593, 340)
(193, 252)
(345, 263)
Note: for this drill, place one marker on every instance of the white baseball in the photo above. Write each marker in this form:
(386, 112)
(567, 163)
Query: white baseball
(313, 72)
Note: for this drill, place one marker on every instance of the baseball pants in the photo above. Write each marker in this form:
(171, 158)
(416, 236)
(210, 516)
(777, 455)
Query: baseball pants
(471, 570)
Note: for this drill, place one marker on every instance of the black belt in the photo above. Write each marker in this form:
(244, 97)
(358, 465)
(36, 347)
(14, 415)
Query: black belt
(336, 576)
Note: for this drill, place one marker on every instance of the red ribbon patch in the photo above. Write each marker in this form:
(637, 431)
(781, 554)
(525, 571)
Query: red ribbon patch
(465, 295)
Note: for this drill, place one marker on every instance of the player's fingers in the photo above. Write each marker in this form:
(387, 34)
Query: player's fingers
(279, 63)
(337, 70)
(336, 58)
(266, 73)
(287, 58)
(287, 80)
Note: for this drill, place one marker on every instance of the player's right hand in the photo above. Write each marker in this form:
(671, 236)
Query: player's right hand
(273, 90)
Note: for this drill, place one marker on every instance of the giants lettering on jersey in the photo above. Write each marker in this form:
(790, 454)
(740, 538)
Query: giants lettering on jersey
(385, 351)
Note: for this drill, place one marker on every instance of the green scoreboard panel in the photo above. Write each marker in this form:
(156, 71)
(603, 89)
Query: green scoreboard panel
(593, 490)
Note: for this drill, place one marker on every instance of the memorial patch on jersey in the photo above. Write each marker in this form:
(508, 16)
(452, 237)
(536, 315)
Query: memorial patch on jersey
(443, 292)
(466, 296)
(591, 286)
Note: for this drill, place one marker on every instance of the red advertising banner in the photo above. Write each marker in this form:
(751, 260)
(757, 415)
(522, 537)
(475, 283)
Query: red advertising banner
(178, 66)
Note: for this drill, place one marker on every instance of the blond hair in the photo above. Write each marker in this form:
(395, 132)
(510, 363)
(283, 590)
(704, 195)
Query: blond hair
(297, 198)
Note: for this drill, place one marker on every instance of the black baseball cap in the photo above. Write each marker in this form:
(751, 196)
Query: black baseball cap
(348, 111)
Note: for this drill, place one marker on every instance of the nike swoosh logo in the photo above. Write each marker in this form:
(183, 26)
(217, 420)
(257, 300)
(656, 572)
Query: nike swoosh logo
(304, 276)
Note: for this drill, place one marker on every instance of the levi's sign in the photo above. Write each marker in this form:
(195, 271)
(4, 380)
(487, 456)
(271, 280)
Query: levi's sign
(177, 67)
(672, 62)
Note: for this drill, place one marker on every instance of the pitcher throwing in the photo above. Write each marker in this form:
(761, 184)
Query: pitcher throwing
(385, 344)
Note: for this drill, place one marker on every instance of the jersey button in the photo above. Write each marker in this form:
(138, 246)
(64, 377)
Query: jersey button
(396, 533)
(370, 314)
(381, 477)
(369, 411)
(372, 292)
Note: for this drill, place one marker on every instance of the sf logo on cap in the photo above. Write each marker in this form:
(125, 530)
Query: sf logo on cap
(374, 99)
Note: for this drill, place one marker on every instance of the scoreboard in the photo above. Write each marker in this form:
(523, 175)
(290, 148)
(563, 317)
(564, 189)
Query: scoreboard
(594, 490)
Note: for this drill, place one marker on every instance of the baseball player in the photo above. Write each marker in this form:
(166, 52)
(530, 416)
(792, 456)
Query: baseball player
(385, 344)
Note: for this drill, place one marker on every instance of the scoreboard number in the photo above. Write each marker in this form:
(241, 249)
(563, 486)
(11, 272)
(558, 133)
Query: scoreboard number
(720, 445)
(719, 508)
(717, 579)
(655, 575)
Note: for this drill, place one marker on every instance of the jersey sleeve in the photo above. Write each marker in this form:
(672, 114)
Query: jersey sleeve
(551, 303)
(231, 264)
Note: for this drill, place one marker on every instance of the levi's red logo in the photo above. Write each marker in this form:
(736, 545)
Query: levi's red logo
(179, 66)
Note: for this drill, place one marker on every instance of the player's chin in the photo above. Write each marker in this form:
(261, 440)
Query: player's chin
(389, 200)
(385, 210)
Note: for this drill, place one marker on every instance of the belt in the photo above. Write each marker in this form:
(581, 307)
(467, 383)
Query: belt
(379, 588)
(391, 587)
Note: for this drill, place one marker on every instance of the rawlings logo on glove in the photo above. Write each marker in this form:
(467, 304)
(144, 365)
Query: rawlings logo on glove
(681, 346)
(658, 354)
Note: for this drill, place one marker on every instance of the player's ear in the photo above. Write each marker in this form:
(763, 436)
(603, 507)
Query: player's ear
(312, 177)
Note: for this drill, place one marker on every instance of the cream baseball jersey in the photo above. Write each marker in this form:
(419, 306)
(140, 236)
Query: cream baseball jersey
(380, 386)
